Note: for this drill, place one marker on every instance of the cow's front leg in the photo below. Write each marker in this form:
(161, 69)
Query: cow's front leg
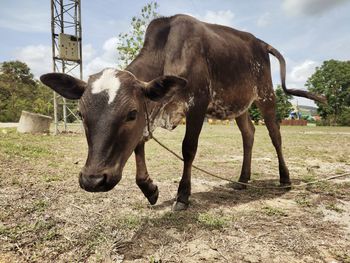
(194, 123)
(145, 183)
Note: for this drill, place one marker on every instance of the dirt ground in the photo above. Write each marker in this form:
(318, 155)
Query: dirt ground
(46, 217)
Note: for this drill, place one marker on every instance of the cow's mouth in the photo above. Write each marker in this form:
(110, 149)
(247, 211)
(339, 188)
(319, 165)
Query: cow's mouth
(98, 183)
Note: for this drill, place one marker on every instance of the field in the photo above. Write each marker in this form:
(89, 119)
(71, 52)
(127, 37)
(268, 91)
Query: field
(46, 217)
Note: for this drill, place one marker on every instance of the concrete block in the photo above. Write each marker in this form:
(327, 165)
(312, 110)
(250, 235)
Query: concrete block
(34, 123)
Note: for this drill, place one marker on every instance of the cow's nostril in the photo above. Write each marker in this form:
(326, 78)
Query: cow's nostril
(104, 178)
(100, 180)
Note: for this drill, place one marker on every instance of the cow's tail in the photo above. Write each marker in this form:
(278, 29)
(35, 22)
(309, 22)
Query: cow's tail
(295, 92)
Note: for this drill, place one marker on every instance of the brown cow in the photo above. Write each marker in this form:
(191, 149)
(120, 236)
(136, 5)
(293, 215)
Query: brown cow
(185, 68)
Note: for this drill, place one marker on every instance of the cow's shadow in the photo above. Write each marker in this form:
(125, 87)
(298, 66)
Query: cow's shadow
(227, 196)
(160, 229)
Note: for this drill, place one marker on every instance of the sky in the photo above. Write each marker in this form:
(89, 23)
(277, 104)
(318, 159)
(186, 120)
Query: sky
(306, 32)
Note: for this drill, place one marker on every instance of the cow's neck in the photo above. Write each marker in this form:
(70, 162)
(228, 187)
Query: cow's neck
(147, 66)
(165, 115)
(168, 114)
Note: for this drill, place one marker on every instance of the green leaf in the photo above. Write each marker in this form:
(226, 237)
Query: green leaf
(131, 43)
(332, 79)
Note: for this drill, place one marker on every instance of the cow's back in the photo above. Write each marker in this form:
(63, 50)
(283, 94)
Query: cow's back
(229, 63)
(226, 49)
(237, 63)
(232, 52)
(229, 53)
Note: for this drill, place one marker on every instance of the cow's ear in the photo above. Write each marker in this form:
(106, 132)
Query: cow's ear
(164, 87)
(65, 85)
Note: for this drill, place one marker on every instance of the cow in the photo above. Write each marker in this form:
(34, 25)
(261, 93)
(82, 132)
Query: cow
(186, 68)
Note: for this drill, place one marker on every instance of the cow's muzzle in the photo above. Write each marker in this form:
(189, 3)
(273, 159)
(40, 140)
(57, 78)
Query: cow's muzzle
(98, 181)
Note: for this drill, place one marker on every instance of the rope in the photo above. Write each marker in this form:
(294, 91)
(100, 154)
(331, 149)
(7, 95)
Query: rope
(245, 184)
(151, 136)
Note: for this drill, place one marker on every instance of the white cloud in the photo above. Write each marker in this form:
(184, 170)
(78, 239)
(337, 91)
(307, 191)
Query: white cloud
(297, 78)
(88, 52)
(217, 17)
(110, 46)
(108, 58)
(300, 73)
(264, 20)
(37, 57)
(309, 7)
(25, 17)
(275, 69)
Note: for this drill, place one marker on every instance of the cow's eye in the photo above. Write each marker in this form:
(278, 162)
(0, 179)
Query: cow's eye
(131, 115)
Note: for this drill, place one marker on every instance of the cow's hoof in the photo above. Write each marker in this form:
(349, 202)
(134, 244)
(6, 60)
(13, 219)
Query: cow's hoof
(179, 206)
(238, 186)
(152, 199)
(287, 186)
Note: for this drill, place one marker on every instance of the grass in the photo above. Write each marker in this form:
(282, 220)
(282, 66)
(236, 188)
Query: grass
(342, 256)
(40, 205)
(51, 178)
(307, 178)
(274, 211)
(331, 190)
(40, 231)
(38, 188)
(172, 219)
(15, 181)
(129, 221)
(335, 208)
(14, 149)
(303, 201)
(213, 221)
(152, 259)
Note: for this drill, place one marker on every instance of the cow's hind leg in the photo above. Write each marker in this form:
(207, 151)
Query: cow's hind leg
(194, 123)
(247, 130)
(268, 110)
(145, 183)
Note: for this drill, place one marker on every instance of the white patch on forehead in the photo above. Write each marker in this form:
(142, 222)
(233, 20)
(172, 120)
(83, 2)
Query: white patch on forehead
(109, 82)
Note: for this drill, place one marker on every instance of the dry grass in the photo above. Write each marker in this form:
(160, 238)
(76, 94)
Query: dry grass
(46, 217)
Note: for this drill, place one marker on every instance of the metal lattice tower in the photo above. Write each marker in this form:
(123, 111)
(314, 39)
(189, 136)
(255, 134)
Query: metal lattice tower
(66, 53)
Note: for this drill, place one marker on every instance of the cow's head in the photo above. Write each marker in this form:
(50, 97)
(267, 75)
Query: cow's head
(112, 107)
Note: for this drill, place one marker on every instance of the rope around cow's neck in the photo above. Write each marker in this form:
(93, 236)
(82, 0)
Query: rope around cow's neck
(151, 136)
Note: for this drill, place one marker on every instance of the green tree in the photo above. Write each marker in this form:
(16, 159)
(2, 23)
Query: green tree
(132, 42)
(283, 105)
(255, 114)
(333, 80)
(20, 91)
